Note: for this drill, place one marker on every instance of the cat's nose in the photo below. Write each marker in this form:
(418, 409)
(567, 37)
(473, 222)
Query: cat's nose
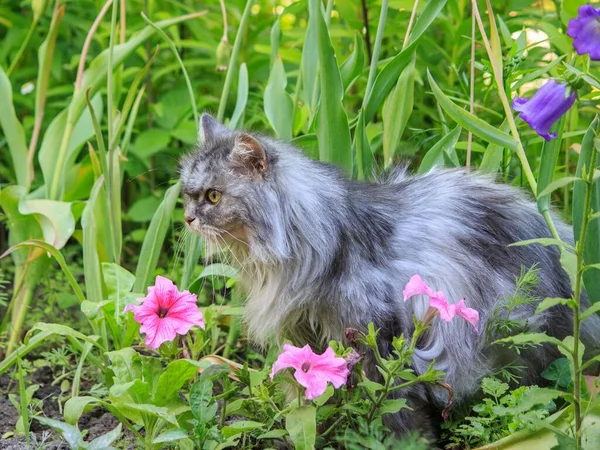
(189, 219)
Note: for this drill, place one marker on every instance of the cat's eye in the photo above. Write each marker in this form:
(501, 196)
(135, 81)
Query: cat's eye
(213, 196)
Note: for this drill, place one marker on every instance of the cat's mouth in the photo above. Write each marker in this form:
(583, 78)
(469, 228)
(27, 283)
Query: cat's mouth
(231, 234)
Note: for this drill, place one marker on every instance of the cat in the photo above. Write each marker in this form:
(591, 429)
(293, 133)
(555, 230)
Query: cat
(319, 253)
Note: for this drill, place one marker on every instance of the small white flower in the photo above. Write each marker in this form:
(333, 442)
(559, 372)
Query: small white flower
(27, 88)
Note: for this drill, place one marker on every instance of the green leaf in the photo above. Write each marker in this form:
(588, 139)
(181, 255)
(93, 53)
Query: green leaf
(91, 261)
(156, 411)
(591, 252)
(74, 407)
(396, 111)
(543, 241)
(177, 373)
(550, 302)
(150, 142)
(494, 153)
(125, 364)
(237, 118)
(534, 396)
(14, 133)
(143, 210)
(103, 442)
(594, 309)
(69, 433)
(153, 242)
(277, 102)
(556, 184)
(170, 436)
(558, 372)
(57, 255)
(82, 132)
(55, 218)
(118, 281)
(470, 122)
(201, 401)
(435, 155)
(219, 270)
(392, 406)
(301, 425)
(354, 65)
(273, 434)
(548, 163)
(532, 338)
(332, 128)
(386, 79)
(240, 427)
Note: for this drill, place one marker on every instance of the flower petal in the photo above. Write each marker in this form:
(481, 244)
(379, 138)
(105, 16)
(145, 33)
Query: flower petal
(469, 314)
(447, 310)
(416, 286)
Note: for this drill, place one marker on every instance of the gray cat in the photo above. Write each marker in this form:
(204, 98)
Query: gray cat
(320, 253)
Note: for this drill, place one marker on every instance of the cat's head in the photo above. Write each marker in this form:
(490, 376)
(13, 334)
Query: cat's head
(227, 186)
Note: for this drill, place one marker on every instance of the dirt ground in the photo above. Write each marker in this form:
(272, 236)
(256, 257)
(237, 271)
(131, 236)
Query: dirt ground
(97, 422)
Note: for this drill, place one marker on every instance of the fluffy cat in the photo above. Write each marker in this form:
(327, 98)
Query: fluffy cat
(319, 253)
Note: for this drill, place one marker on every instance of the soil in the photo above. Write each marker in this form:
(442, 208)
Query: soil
(96, 422)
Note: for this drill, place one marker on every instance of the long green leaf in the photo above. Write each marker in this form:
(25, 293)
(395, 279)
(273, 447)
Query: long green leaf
(435, 155)
(396, 111)
(354, 65)
(591, 252)
(91, 262)
(492, 157)
(470, 122)
(388, 76)
(333, 132)
(550, 152)
(155, 237)
(277, 102)
(14, 132)
(237, 118)
(301, 424)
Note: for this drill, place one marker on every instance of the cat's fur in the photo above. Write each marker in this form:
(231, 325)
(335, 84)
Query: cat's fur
(320, 253)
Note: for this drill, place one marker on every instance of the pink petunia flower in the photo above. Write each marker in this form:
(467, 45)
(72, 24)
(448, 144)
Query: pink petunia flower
(416, 286)
(437, 300)
(469, 314)
(166, 312)
(312, 371)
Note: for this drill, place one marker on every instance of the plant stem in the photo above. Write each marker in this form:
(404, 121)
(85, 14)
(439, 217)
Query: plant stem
(504, 99)
(471, 91)
(15, 62)
(376, 50)
(233, 60)
(579, 250)
(365, 14)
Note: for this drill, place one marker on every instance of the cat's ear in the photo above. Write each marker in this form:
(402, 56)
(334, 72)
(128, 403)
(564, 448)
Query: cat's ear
(249, 155)
(209, 129)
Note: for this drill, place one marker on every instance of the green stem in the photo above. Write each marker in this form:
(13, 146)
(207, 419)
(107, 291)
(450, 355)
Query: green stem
(19, 319)
(579, 249)
(376, 50)
(233, 60)
(55, 188)
(15, 62)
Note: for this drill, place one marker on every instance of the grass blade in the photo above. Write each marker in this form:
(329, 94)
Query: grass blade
(591, 253)
(333, 132)
(470, 122)
(277, 103)
(14, 133)
(237, 118)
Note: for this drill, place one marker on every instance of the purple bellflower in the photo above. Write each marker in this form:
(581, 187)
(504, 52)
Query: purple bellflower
(546, 106)
(585, 31)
